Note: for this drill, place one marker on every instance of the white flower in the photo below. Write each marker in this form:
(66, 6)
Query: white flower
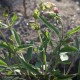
(64, 56)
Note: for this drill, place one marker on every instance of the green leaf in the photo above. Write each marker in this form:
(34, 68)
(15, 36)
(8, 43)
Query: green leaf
(77, 42)
(14, 18)
(48, 39)
(60, 76)
(9, 73)
(45, 39)
(23, 46)
(29, 67)
(68, 48)
(51, 27)
(38, 64)
(3, 45)
(29, 52)
(9, 47)
(6, 57)
(2, 63)
(73, 31)
(66, 62)
(16, 37)
(3, 26)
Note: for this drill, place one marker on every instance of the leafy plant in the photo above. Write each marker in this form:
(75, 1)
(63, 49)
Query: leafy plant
(15, 63)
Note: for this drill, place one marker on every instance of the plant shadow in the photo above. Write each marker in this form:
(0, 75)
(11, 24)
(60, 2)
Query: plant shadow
(77, 1)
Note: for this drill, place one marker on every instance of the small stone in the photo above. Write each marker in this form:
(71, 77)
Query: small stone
(77, 2)
(78, 9)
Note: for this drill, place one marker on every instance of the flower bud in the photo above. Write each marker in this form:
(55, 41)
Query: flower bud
(36, 14)
(55, 9)
(35, 26)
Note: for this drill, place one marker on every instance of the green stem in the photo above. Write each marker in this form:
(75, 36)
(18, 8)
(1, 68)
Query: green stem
(44, 59)
(39, 37)
(43, 52)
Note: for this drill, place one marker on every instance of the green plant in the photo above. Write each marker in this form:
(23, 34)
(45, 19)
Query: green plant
(42, 69)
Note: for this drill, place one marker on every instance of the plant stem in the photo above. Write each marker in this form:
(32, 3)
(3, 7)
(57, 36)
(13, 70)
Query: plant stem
(25, 9)
(39, 37)
(74, 60)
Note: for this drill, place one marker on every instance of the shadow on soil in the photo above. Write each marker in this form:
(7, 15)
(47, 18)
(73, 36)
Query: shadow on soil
(77, 1)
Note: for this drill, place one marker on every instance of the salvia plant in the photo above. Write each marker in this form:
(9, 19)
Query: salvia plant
(14, 65)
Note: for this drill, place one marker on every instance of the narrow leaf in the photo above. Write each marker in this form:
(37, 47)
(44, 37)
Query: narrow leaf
(3, 26)
(68, 49)
(24, 46)
(2, 63)
(29, 52)
(14, 18)
(29, 67)
(16, 37)
(51, 27)
(73, 31)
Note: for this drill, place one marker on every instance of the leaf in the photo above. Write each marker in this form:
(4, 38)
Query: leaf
(23, 46)
(3, 26)
(76, 42)
(38, 64)
(45, 39)
(2, 45)
(9, 47)
(2, 63)
(51, 27)
(6, 57)
(29, 67)
(73, 31)
(60, 76)
(68, 48)
(29, 52)
(9, 73)
(16, 37)
(14, 18)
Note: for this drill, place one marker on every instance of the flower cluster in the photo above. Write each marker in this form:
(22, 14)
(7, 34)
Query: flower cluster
(50, 6)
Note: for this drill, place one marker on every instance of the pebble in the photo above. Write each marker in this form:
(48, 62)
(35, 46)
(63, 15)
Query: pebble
(77, 2)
